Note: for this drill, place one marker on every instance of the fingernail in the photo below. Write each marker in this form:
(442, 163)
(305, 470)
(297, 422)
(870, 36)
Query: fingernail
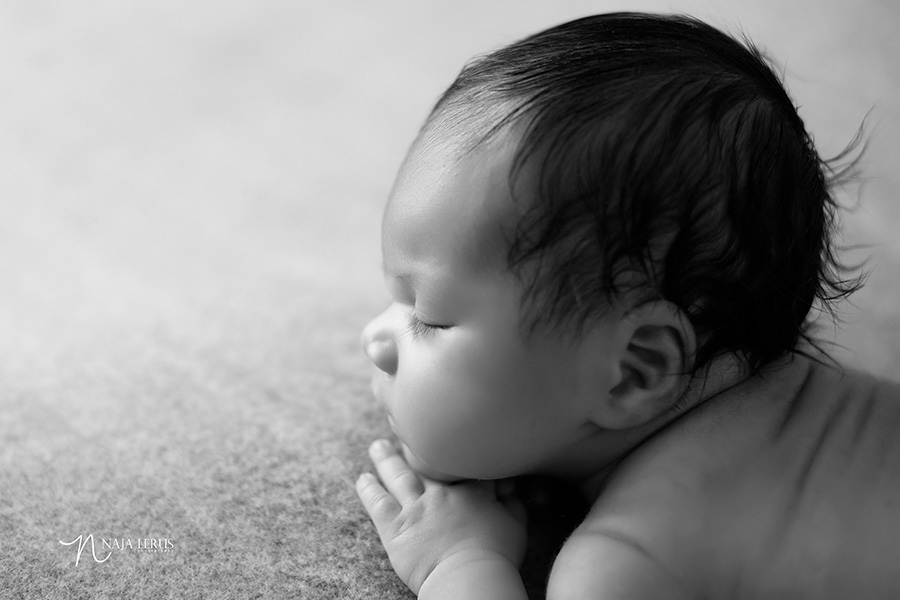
(380, 446)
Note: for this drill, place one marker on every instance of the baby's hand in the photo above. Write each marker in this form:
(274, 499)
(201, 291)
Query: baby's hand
(424, 522)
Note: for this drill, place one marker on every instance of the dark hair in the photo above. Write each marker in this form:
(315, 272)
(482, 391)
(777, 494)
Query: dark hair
(666, 148)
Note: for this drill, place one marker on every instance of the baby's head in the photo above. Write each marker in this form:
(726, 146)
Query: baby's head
(589, 218)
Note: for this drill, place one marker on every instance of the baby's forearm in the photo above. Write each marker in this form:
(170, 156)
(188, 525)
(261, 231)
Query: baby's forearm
(474, 575)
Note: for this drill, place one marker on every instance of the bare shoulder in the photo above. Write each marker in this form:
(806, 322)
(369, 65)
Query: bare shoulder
(799, 468)
(644, 536)
(648, 533)
(662, 526)
(609, 565)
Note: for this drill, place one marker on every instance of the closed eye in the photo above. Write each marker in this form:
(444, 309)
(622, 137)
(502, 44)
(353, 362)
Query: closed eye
(419, 328)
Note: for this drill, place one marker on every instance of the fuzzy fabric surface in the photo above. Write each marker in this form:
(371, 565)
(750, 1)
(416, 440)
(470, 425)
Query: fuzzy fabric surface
(190, 198)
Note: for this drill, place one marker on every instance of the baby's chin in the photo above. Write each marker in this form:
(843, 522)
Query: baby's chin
(424, 469)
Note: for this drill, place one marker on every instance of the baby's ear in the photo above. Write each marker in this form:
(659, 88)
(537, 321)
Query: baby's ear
(654, 361)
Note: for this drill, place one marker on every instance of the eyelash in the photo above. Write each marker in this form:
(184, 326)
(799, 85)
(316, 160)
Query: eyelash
(419, 328)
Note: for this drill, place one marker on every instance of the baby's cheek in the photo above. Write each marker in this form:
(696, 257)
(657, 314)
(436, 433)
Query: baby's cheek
(463, 399)
(435, 414)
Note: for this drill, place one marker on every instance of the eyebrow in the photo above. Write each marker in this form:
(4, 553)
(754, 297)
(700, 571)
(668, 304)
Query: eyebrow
(410, 279)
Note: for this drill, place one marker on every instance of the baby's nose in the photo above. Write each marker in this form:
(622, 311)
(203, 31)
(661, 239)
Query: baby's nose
(379, 345)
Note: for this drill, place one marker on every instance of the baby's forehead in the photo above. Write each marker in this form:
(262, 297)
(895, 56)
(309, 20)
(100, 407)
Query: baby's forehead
(449, 200)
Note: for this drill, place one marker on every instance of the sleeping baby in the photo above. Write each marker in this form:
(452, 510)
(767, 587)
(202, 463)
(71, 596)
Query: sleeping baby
(603, 249)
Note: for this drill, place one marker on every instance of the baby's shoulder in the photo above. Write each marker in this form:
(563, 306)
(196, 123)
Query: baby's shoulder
(596, 561)
(644, 533)
(750, 485)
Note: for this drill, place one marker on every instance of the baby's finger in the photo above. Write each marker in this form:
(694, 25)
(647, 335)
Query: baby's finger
(398, 478)
(380, 505)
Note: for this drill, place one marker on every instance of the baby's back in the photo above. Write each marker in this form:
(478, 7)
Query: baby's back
(788, 487)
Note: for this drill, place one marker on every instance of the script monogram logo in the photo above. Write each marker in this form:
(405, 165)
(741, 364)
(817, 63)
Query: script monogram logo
(82, 542)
